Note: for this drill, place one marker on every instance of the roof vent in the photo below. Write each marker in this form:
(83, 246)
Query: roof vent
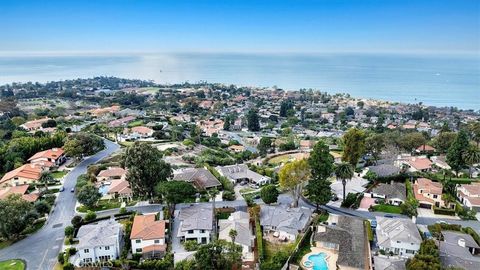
(461, 242)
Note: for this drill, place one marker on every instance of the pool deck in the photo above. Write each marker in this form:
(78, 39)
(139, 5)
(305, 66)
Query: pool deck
(331, 258)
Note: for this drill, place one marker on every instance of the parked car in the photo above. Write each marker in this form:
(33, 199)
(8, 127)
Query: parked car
(389, 216)
(334, 197)
(72, 190)
(373, 223)
(61, 189)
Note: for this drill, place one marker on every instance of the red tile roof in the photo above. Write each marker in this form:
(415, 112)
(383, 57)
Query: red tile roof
(53, 154)
(29, 171)
(146, 227)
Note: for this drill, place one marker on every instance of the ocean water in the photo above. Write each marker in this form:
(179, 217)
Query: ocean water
(433, 80)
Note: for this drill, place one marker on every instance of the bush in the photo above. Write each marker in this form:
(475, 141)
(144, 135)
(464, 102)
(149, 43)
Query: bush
(71, 251)
(68, 266)
(259, 235)
(228, 195)
(353, 200)
(77, 221)
(269, 194)
(60, 258)
(90, 216)
(190, 245)
(42, 207)
(122, 211)
(69, 231)
(444, 211)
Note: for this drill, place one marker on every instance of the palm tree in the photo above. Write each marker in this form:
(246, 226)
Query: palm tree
(45, 177)
(344, 171)
(471, 156)
(233, 234)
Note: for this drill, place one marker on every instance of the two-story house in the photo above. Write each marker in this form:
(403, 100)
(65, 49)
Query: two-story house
(398, 235)
(148, 236)
(429, 193)
(49, 158)
(23, 175)
(99, 242)
(196, 223)
(469, 195)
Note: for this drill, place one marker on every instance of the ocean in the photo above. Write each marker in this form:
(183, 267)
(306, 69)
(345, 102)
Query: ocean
(432, 80)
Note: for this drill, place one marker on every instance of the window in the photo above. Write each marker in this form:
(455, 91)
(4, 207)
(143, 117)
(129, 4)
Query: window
(435, 196)
(190, 231)
(107, 247)
(138, 250)
(409, 251)
(202, 231)
(86, 250)
(138, 241)
(398, 242)
(156, 241)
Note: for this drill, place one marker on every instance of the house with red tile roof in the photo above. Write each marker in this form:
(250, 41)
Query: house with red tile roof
(111, 173)
(469, 195)
(120, 189)
(425, 149)
(121, 121)
(34, 124)
(428, 193)
(20, 190)
(49, 158)
(135, 133)
(414, 163)
(23, 175)
(148, 236)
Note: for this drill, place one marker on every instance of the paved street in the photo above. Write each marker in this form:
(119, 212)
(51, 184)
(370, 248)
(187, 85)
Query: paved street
(40, 250)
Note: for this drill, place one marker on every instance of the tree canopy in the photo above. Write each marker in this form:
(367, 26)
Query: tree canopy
(293, 176)
(89, 195)
(455, 154)
(146, 168)
(14, 216)
(354, 146)
(269, 194)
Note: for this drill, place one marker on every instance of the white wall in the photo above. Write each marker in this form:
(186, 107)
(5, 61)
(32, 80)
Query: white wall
(144, 243)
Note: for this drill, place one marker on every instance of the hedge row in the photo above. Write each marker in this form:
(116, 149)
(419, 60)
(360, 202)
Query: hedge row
(444, 211)
(258, 232)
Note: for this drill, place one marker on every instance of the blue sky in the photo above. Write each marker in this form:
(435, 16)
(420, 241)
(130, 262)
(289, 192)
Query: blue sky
(240, 26)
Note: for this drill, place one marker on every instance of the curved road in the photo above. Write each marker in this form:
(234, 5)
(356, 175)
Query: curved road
(41, 249)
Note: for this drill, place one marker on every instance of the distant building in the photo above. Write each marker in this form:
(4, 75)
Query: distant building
(201, 178)
(23, 175)
(398, 235)
(19, 190)
(49, 158)
(34, 124)
(99, 242)
(459, 250)
(111, 173)
(241, 172)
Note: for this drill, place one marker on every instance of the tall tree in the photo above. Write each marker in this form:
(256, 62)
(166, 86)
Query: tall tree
(264, 145)
(83, 144)
(293, 176)
(471, 155)
(474, 129)
(444, 140)
(45, 178)
(14, 216)
(321, 161)
(253, 122)
(344, 172)
(146, 168)
(89, 195)
(218, 255)
(374, 144)
(174, 192)
(354, 146)
(455, 153)
(318, 191)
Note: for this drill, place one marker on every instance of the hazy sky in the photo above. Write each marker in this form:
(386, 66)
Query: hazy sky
(239, 26)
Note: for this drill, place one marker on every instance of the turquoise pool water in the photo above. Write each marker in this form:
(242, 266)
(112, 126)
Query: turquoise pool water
(103, 189)
(319, 261)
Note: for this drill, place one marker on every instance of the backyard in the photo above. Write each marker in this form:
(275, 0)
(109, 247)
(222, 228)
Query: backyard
(59, 174)
(101, 205)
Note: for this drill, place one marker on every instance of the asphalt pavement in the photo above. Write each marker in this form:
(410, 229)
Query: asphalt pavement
(40, 250)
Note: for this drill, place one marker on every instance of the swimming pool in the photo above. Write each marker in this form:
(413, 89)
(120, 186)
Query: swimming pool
(103, 189)
(319, 261)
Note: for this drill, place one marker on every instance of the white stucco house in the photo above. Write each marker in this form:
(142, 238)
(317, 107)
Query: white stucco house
(398, 235)
(148, 236)
(98, 242)
(196, 223)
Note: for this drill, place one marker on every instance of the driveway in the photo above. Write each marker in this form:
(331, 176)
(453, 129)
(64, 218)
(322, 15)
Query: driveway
(40, 250)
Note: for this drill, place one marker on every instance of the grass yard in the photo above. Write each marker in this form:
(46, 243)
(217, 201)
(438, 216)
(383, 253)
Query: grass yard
(6, 243)
(12, 265)
(59, 174)
(386, 208)
(135, 123)
(126, 144)
(101, 205)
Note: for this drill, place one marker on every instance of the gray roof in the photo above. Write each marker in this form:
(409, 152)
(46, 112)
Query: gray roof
(396, 229)
(384, 170)
(393, 190)
(201, 178)
(388, 263)
(350, 235)
(196, 217)
(291, 220)
(452, 254)
(103, 233)
(240, 171)
(239, 221)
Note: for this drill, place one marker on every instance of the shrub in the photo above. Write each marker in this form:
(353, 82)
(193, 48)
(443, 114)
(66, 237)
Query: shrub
(42, 207)
(68, 266)
(69, 230)
(60, 258)
(228, 195)
(190, 245)
(77, 221)
(269, 194)
(71, 251)
(353, 200)
(90, 216)
(258, 233)
(444, 211)
(122, 210)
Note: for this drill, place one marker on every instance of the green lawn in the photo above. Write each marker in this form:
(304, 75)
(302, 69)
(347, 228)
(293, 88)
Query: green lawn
(387, 208)
(101, 205)
(4, 244)
(12, 265)
(135, 123)
(59, 174)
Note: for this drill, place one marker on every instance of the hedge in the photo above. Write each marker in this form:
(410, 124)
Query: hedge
(444, 211)
(124, 214)
(369, 230)
(395, 178)
(95, 220)
(258, 232)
